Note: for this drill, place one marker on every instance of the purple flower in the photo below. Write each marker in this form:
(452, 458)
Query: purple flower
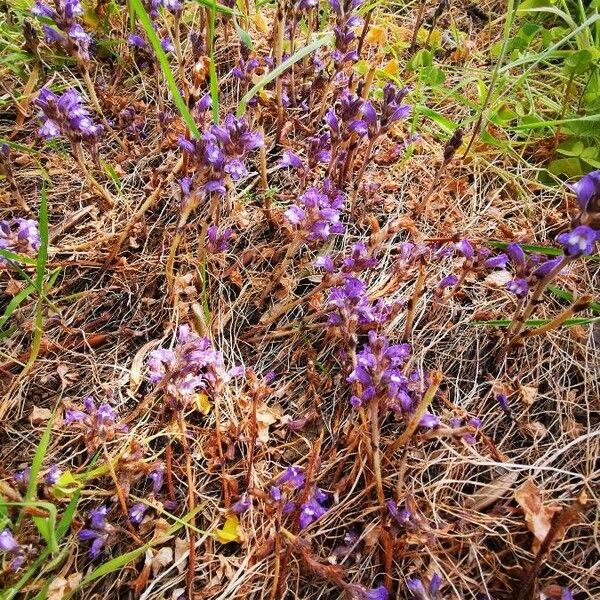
(361, 258)
(292, 476)
(429, 421)
(99, 424)
(515, 251)
(313, 509)
(242, 505)
(518, 287)
(324, 262)
(7, 541)
(588, 191)
(52, 475)
(192, 367)
(21, 478)
(546, 267)
(418, 591)
(98, 533)
(317, 213)
(465, 248)
(360, 592)
(502, 400)
(580, 241)
(157, 477)
(497, 262)
(9, 545)
(21, 236)
(66, 115)
(567, 594)
(68, 33)
(218, 242)
(275, 493)
(136, 513)
(291, 160)
(448, 281)
(378, 373)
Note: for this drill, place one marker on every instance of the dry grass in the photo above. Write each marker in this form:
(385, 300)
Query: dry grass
(474, 536)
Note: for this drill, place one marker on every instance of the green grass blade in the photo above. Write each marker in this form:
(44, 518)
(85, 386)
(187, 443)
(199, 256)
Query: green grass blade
(537, 322)
(548, 251)
(271, 75)
(15, 303)
(218, 7)
(212, 68)
(164, 65)
(22, 258)
(38, 459)
(564, 295)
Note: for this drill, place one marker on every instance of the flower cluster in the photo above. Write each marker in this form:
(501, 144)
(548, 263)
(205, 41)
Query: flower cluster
(99, 424)
(15, 551)
(388, 111)
(98, 532)
(193, 367)
(67, 32)
(221, 152)
(21, 236)
(145, 56)
(316, 215)
(379, 375)
(346, 118)
(345, 37)
(67, 115)
(314, 508)
(349, 308)
(362, 593)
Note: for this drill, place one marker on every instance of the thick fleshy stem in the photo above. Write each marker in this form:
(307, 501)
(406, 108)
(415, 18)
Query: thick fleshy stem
(179, 54)
(191, 507)
(579, 305)
(436, 379)
(374, 418)
(291, 251)
(418, 23)
(280, 29)
(89, 84)
(361, 173)
(519, 322)
(100, 189)
(412, 303)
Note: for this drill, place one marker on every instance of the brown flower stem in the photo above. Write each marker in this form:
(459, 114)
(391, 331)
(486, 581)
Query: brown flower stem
(280, 31)
(361, 173)
(418, 23)
(120, 494)
(534, 300)
(412, 304)
(191, 507)
(89, 84)
(376, 452)
(93, 183)
(577, 306)
(179, 54)
(291, 251)
(436, 380)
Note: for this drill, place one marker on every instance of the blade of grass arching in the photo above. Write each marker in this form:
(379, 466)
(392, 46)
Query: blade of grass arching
(539, 250)
(218, 7)
(15, 303)
(564, 295)
(271, 75)
(38, 459)
(212, 67)
(22, 258)
(537, 322)
(511, 12)
(46, 525)
(164, 65)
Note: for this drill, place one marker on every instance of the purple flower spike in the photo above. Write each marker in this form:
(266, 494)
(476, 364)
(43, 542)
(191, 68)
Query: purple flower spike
(465, 248)
(7, 541)
(566, 594)
(580, 241)
(52, 475)
(98, 424)
(324, 262)
(588, 191)
(99, 533)
(448, 281)
(316, 216)
(218, 242)
(429, 421)
(313, 509)
(360, 592)
(497, 262)
(157, 477)
(66, 31)
(417, 589)
(502, 400)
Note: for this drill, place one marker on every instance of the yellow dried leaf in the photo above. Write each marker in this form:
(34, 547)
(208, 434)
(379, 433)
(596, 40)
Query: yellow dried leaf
(229, 532)
(376, 35)
(392, 67)
(202, 403)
